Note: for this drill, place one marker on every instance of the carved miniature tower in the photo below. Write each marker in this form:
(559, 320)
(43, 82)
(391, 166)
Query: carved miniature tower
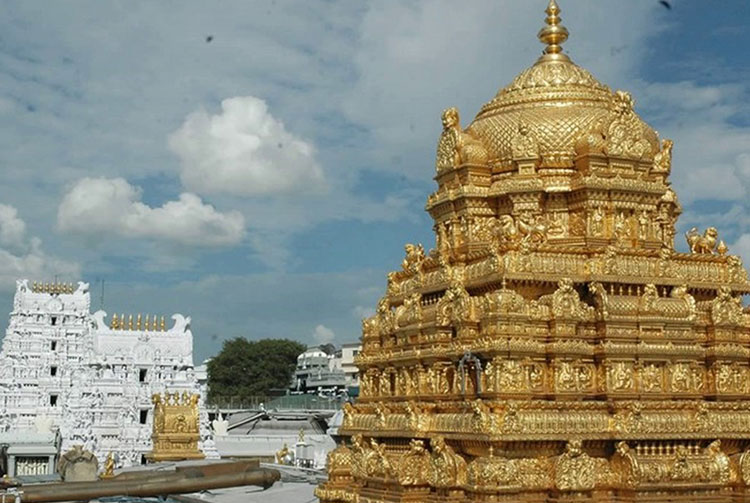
(553, 346)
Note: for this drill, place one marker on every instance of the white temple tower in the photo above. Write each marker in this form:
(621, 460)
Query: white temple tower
(92, 381)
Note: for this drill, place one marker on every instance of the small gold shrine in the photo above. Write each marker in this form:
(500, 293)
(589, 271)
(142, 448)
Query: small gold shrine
(176, 427)
(554, 346)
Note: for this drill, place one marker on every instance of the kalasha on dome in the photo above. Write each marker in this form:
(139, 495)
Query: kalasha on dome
(553, 346)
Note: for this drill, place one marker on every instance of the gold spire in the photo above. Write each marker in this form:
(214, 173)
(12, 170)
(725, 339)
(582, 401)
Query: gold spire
(554, 34)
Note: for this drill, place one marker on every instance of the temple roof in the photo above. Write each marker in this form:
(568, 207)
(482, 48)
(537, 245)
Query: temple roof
(555, 99)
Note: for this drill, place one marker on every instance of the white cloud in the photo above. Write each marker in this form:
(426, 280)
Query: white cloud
(23, 257)
(371, 92)
(112, 205)
(35, 263)
(12, 228)
(741, 247)
(743, 166)
(363, 311)
(323, 334)
(244, 151)
(710, 152)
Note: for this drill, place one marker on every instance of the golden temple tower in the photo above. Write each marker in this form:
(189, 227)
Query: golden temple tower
(553, 346)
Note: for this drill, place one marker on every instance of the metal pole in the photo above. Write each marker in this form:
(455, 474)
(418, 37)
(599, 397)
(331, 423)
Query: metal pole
(184, 482)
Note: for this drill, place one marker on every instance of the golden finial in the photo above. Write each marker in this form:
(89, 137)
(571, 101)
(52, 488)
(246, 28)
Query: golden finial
(115, 324)
(163, 326)
(722, 249)
(146, 325)
(130, 322)
(138, 322)
(554, 34)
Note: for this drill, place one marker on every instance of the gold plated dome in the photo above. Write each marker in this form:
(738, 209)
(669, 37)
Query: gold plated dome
(556, 100)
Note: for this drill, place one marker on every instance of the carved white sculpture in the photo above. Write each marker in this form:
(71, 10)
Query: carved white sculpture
(65, 368)
(221, 426)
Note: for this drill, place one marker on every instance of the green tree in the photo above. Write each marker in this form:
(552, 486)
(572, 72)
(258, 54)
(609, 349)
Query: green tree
(245, 369)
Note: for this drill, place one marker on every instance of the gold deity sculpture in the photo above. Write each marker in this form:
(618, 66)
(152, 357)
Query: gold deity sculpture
(553, 346)
(176, 428)
(109, 467)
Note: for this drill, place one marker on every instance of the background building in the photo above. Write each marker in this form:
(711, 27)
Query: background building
(321, 371)
(351, 373)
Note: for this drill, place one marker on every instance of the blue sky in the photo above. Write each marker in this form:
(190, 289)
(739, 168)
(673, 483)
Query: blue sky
(265, 182)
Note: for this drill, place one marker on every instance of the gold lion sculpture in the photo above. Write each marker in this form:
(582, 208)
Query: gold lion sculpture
(702, 244)
(457, 146)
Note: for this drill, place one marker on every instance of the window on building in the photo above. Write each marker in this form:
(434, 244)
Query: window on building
(53, 345)
(53, 371)
(54, 320)
(53, 400)
(144, 416)
(142, 375)
(355, 352)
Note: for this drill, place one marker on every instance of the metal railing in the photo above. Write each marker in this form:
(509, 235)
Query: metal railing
(286, 402)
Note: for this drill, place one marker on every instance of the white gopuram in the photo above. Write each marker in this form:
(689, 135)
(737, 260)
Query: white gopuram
(92, 381)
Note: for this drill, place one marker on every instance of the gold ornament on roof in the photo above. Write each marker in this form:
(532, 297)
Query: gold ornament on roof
(146, 323)
(702, 244)
(283, 455)
(554, 34)
(54, 288)
(663, 158)
(554, 346)
(456, 146)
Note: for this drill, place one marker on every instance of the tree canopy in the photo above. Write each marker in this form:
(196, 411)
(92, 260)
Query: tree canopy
(245, 369)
